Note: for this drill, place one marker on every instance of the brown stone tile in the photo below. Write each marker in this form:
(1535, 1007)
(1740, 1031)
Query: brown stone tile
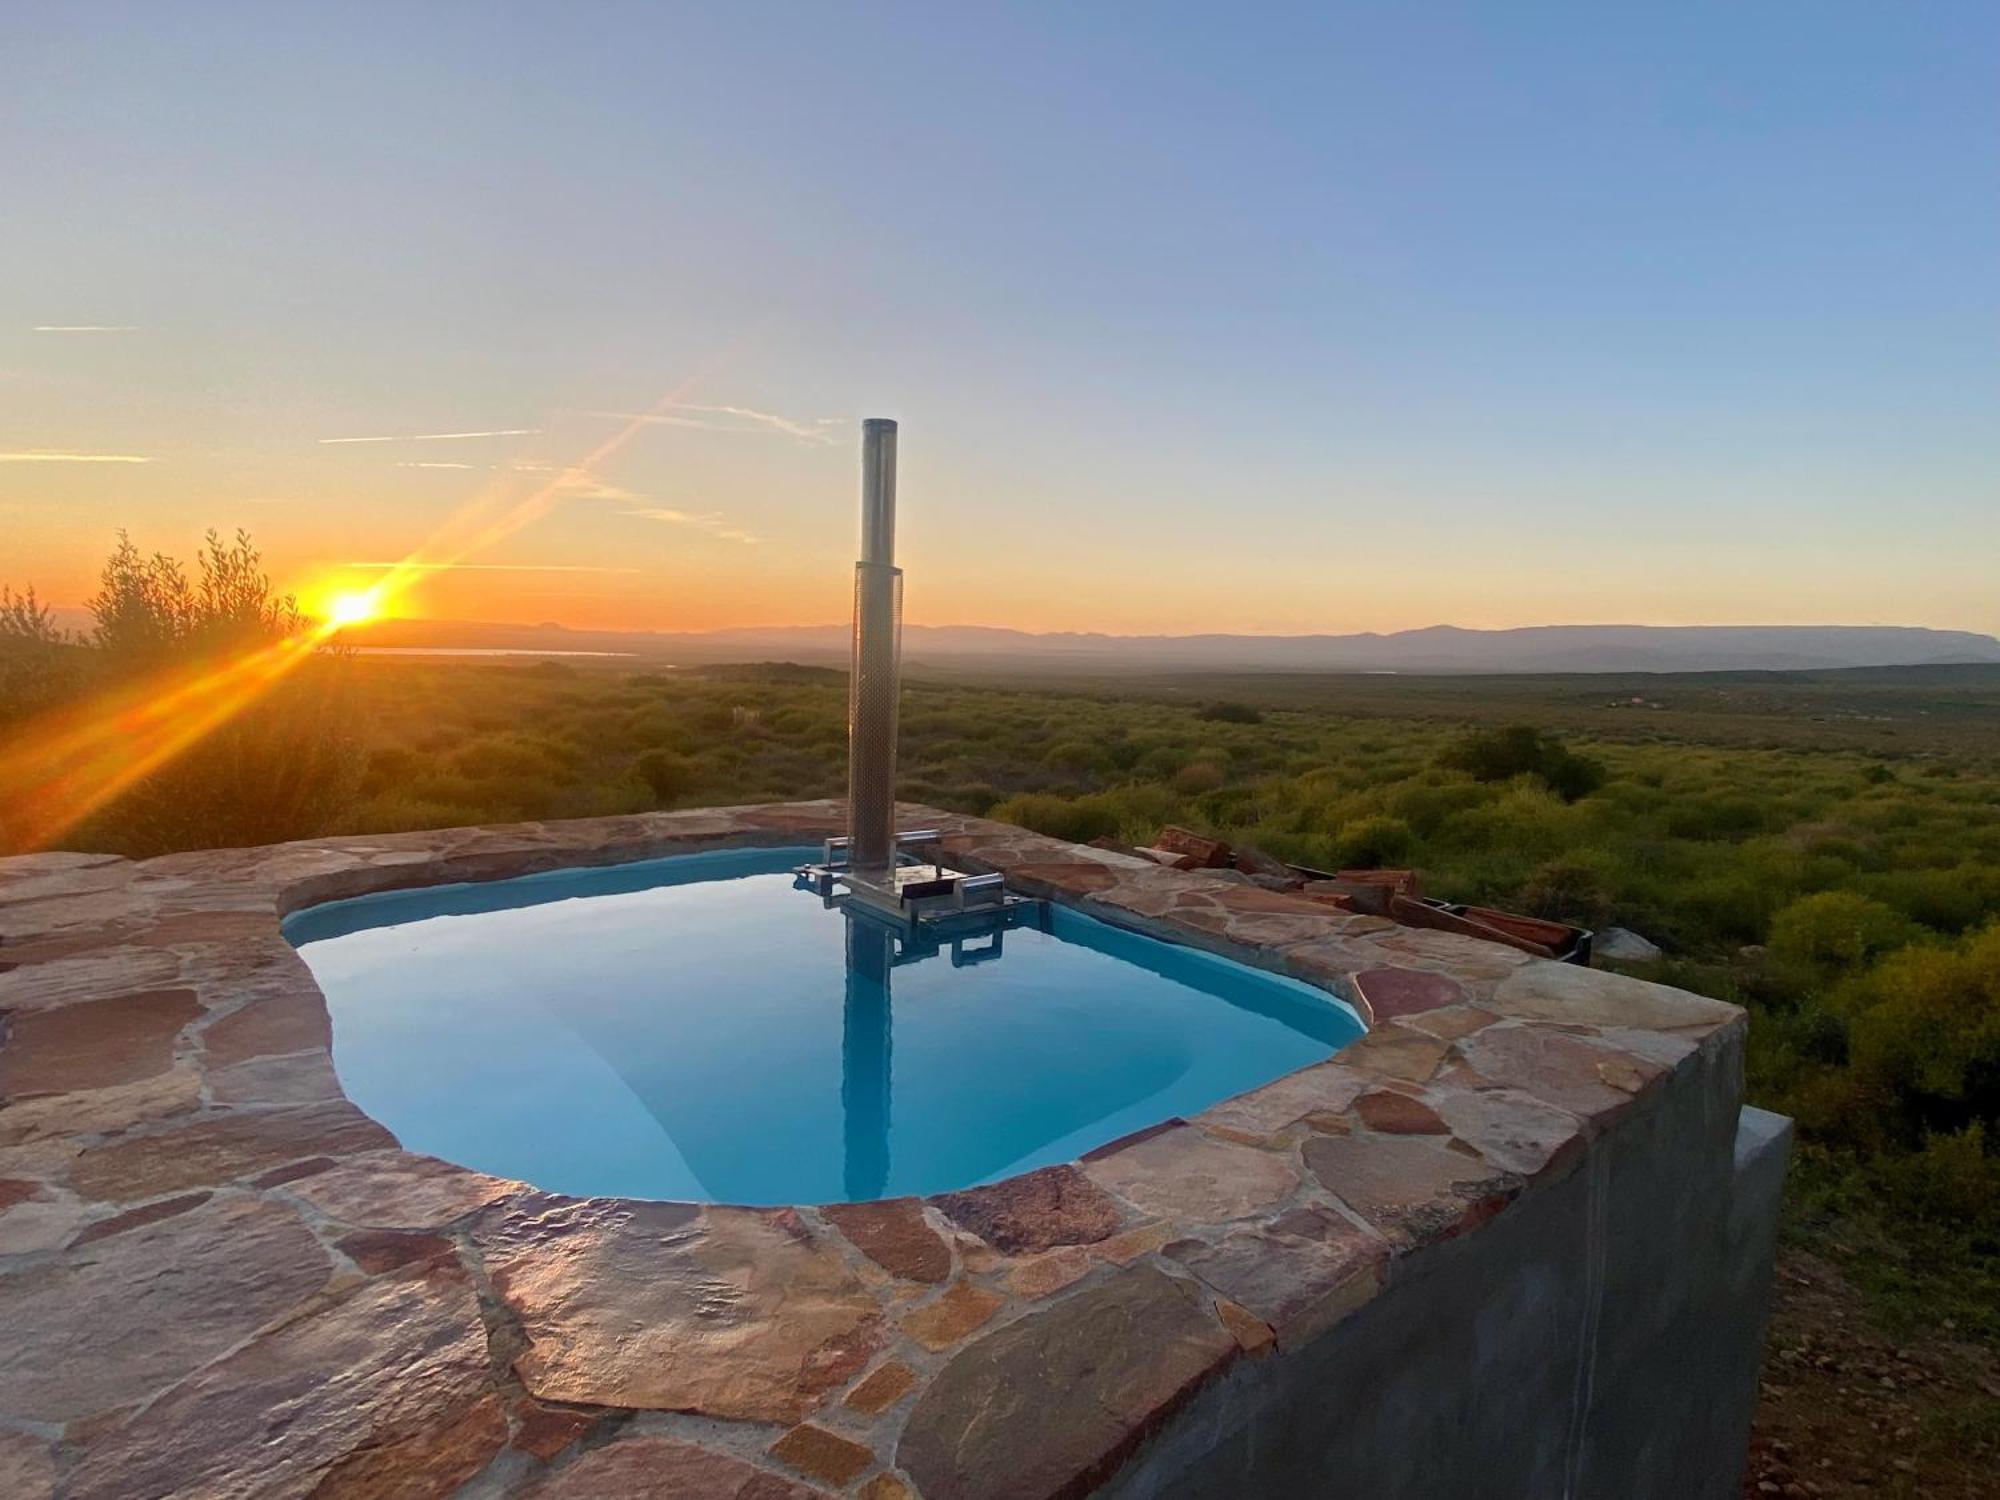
(657, 1468)
(1452, 1022)
(544, 1431)
(27, 1468)
(133, 1218)
(1183, 1175)
(882, 1389)
(1512, 1130)
(821, 1454)
(108, 1324)
(100, 973)
(1049, 1272)
(1263, 1111)
(302, 1078)
(293, 1021)
(1395, 1052)
(887, 1487)
(941, 1323)
(1544, 991)
(378, 1250)
(150, 1101)
(1411, 1188)
(895, 1235)
(1123, 1249)
(385, 1391)
(1252, 1334)
(1054, 1401)
(1554, 1067)
(731, 1313)
(1036, 1211)
(93, 1044)
(1299, 1275)
(219, 1150)
(395, 1190)
(1398, 1114)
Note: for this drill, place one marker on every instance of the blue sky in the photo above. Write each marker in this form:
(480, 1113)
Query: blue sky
(1274, 319)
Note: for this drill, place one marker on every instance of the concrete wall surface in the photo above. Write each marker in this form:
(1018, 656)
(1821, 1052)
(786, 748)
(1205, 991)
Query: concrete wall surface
(1599, 1340)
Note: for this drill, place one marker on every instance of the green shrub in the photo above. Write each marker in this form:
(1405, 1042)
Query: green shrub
(1523, 750)
(1834, 931)
(667, 775)
(1368, 843)
(1202, 776)
(1079, 821)
(1925, 1022)
(1230, 713)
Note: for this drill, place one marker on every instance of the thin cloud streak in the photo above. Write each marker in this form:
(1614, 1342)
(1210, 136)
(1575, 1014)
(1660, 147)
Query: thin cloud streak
(710, 521)
(405, 463)
(438, 437)
(73, 458)
(86, 328)
(805, 432)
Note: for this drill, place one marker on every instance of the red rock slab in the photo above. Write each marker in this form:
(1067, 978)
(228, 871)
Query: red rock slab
(1299, 1276)
(1182, 1174)
(545, 1431)
(1052, 1403)
(110, 1323)
(895, 1235)
(656, 1468)
(146, 1213)
(1036, 1211)
(1393, 992)
(384, 1391)
(94, 1044)
(268, 1027)
(1398, 1114)
(1410, 1188)
(221, 1149)
(732, 1313)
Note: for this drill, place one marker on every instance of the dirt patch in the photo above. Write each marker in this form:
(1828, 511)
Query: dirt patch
(1848, 1411)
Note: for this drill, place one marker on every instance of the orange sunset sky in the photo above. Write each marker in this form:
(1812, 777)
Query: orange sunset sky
(1371, 324)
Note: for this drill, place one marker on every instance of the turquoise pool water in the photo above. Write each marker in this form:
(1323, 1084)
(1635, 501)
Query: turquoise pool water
(697, 1028)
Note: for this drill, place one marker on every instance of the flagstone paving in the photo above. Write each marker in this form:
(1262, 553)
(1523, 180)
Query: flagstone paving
(219, 1278)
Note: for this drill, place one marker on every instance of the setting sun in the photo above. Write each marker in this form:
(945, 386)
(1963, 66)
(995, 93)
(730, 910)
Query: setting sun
(353, 608)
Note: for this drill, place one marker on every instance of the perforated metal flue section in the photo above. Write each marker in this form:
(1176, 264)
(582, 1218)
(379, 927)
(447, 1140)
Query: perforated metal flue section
(873, 689)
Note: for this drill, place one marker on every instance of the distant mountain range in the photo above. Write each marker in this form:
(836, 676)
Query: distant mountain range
(1438, 648)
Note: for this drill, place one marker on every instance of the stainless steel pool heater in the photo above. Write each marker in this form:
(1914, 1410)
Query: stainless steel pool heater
(890, 875)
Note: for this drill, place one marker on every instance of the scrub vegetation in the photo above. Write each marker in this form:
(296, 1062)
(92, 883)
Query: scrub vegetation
(1821, 848)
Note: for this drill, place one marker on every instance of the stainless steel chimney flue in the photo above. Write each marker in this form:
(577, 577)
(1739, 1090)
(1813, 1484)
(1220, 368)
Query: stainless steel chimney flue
(875, 684)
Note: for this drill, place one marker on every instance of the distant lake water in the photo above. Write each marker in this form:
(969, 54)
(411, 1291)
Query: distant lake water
(480, 651)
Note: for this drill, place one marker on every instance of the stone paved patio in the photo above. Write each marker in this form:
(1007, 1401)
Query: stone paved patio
(219, 1278)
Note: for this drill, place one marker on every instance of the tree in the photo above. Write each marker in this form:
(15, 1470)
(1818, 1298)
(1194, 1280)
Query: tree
(285, 764)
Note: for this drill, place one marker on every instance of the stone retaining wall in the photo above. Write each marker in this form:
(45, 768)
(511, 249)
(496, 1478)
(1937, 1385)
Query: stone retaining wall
(1512, 1242)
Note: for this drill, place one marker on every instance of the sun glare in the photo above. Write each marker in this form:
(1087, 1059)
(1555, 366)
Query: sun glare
(354, 608)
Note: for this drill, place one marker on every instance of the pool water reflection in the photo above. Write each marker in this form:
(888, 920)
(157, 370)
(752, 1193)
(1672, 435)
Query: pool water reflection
(696, 1028)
